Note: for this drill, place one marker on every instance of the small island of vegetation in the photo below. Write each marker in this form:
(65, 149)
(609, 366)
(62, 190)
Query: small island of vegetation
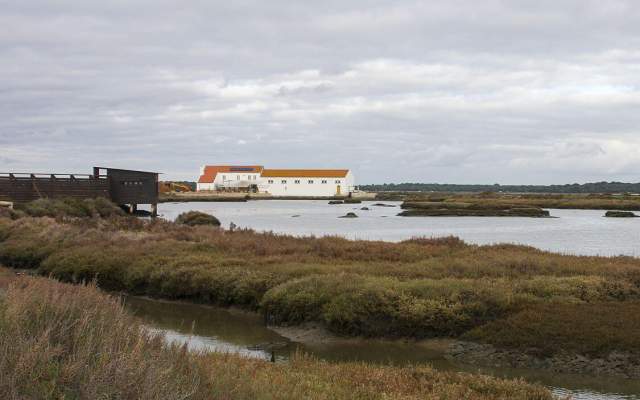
(495, 200)
(620, 214)
(468, 209)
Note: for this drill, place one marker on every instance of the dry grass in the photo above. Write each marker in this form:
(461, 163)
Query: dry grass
(63, 341)
(74, 342)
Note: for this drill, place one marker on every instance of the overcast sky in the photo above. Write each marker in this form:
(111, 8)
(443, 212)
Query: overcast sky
(429, 91)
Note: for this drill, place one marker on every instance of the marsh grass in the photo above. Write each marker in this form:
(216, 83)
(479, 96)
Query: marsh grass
(75, 342)
(593, 329)
(417, 288)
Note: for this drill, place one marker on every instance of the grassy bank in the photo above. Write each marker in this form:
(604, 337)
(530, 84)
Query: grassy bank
(62, 341)
(506, 200)
(417, 288)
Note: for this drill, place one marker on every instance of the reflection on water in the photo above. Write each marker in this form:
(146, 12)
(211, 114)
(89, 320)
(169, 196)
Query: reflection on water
(584, 232)
(212, 328)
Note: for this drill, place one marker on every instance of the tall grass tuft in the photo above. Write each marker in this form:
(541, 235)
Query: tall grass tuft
(63, 341)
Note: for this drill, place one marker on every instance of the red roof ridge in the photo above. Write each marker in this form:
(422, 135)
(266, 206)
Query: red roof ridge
(211, 171)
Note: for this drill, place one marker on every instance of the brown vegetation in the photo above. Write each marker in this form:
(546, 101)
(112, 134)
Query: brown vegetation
(62, 341)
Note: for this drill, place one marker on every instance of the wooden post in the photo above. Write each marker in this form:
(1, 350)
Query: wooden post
(154, 210)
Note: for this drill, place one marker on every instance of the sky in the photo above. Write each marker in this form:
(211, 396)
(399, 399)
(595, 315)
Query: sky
(477, 91)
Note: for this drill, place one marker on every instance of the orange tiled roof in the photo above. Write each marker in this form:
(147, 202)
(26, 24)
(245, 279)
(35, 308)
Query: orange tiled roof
(211, 171)
(304, 173)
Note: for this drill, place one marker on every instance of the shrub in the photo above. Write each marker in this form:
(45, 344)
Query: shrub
(194, 218)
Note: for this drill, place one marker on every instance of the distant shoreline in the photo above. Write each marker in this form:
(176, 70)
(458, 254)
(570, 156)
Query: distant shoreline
(243, 197)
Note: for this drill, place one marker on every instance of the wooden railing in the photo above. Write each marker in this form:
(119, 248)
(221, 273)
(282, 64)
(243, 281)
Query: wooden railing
(22, 187)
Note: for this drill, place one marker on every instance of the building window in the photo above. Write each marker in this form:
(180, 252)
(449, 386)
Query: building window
(284, 181)
(224, 178)
(324, 181)
(310, 182)
(131, 183)
(338, 181)
(270, 181)
(297, 181)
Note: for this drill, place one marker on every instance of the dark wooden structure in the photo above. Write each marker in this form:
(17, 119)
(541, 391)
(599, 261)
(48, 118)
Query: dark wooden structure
(122, 186)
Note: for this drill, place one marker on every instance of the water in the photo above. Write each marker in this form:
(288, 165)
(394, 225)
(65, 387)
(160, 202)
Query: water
(212, 328)
(582, 232)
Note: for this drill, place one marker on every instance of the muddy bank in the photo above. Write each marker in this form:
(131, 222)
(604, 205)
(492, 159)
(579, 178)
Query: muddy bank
(616, 364)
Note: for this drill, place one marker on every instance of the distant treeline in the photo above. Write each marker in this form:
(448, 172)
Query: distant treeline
(596, 187)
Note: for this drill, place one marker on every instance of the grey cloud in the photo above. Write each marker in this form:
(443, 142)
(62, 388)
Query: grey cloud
(492, 91)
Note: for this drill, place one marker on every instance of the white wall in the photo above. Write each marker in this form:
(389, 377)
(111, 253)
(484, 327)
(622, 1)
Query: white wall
(205, 186)
(276, 187)
(236, 179)
(230, 179)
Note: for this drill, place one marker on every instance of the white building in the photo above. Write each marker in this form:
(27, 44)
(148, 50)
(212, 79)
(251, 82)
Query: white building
(228, 178)
(278, 182)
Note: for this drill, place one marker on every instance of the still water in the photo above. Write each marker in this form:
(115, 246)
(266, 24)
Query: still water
(583, 232)
(217, 329)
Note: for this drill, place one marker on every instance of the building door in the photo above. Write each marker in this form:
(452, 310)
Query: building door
(338, 190)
